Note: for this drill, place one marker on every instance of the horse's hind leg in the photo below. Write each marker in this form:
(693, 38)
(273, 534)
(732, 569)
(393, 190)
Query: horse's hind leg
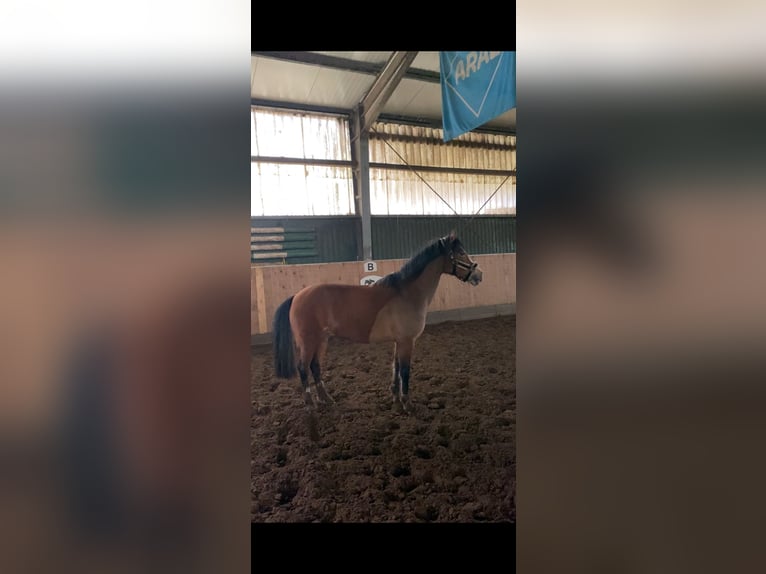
(316, 371)
(305, 347)
(313, 346)
(305, 382)
(322, 393)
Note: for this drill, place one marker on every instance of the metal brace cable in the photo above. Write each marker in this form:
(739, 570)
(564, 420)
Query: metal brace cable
(416, 173)
(486, 202)
(432, 189)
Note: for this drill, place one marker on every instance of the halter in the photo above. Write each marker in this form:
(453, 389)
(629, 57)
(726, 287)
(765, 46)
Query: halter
(460, 264)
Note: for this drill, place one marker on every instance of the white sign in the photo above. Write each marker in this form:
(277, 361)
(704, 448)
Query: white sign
(370, 267)
(369, 280)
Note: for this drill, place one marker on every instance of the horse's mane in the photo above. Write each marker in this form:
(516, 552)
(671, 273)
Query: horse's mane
(414, 267)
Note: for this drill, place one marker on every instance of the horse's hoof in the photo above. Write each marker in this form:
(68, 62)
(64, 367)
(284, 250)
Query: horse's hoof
(308, 400)
(324, 396)
(407, 405)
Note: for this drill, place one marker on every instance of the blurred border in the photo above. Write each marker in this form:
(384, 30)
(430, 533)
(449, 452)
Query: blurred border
(124, 321)
(641, 319)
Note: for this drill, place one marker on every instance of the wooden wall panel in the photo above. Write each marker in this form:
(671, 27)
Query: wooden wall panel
(270, 285)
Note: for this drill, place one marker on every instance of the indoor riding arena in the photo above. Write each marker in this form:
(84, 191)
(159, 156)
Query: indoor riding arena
(352, 178)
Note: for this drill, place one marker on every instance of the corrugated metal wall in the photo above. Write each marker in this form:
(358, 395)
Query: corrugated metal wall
(336, 237)
(402, 192)
(295, 189)
(406, 213)
(402, 237)
(394, 192)
(425, 146)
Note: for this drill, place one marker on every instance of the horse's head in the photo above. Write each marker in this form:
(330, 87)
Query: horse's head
(458, 263)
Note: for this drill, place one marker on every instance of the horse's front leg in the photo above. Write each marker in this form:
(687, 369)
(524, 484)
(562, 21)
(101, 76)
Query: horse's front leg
(396, 380)
(404, 357)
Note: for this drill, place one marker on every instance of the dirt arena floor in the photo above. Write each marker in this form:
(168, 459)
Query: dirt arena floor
(452, 460)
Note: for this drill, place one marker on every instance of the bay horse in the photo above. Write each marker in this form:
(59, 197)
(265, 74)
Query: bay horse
(392, 309)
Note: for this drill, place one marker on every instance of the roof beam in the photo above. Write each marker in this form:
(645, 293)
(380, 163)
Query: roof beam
(294, 106)
(390, 118)
(347, 64)
(383, 86)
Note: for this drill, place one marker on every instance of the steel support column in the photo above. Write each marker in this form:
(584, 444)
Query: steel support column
(360, 152)
(363, 116)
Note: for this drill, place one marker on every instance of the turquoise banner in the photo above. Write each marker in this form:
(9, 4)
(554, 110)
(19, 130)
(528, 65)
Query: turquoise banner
(476, 87)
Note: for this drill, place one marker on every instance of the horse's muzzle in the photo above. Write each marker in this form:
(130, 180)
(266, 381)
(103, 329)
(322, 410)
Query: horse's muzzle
(475, 277)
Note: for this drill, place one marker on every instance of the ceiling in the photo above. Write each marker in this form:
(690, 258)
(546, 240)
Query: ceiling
(337, 82)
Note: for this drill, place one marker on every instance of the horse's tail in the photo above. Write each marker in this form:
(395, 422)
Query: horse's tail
(284, 353)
